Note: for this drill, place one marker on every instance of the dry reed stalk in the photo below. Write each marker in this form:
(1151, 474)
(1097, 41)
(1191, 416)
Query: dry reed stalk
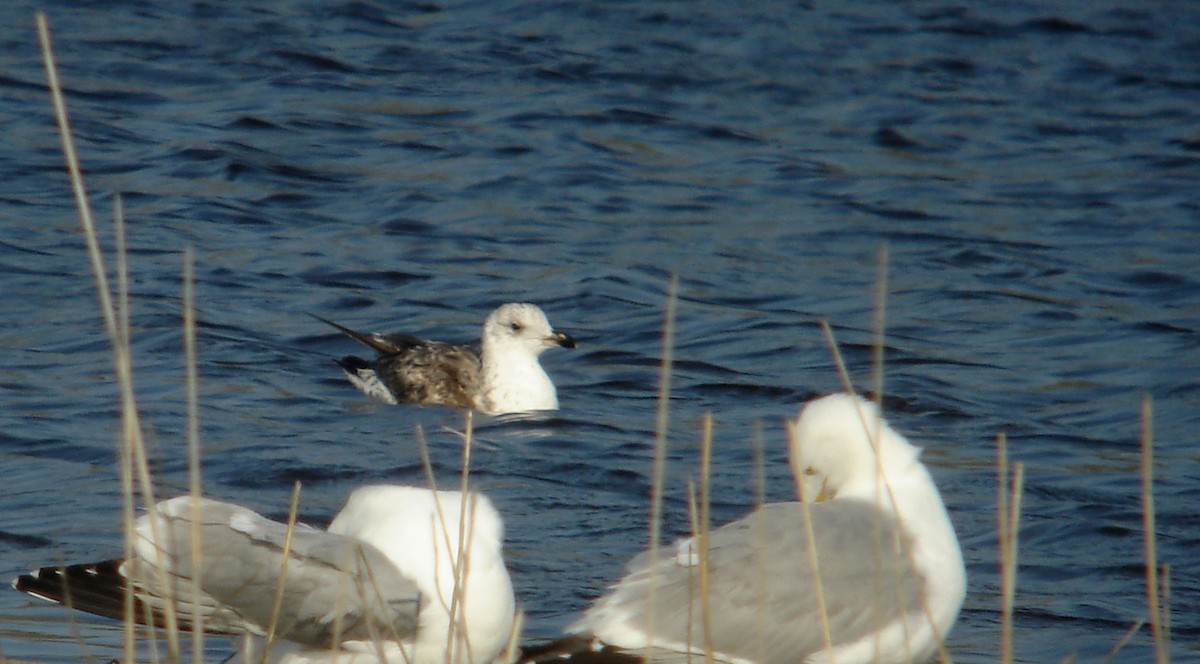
(1123, 641)
(193, 447)
(810, 544)
(118, 337)
(693, 583)
(702, 535)
(662, 421)
(1157, 609)
(1008, 520)
(1002, 544)
(873, 434)
(457, 634)
(880, 322)
(698, 516)
(512, 650)
(461, 562)
(277, 603)
(879, 333)
(125, 460)
(758, 463)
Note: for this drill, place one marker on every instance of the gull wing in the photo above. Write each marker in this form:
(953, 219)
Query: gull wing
(761, 587)
(335, 588)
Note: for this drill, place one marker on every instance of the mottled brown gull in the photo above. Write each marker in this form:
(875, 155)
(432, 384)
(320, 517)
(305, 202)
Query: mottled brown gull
(890, 568)
(378, 585)
(504, 376)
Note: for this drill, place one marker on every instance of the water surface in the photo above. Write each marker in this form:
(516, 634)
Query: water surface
(1031, 170)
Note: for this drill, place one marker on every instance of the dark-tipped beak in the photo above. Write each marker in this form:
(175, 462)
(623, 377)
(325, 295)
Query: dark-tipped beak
(561, 339)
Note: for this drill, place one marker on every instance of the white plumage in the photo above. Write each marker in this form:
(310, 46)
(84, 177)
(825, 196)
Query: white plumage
(403, 574)
(889, 563)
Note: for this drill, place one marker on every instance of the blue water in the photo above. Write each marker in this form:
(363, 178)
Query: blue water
(1032, 171)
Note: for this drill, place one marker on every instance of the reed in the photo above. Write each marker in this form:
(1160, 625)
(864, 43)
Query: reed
(1008, 516)
(277, 604)
(116, 330)
(662, 422)
(1156, 594)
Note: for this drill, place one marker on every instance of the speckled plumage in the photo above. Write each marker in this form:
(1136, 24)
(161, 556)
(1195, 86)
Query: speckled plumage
(504, 376)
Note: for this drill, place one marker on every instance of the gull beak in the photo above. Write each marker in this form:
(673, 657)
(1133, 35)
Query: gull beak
(560, 339)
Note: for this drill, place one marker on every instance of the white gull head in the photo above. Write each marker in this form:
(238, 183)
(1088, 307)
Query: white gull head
(513, 380)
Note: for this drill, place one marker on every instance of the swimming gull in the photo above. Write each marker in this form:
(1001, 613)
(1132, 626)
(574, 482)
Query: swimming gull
(503, 377)
(378, 585)
(891, 571)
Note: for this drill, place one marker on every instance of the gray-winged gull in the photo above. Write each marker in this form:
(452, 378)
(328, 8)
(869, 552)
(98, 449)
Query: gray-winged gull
(504, 376)
(380, 580)
(889, 563)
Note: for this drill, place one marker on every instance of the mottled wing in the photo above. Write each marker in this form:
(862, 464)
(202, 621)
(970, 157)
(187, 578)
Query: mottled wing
(332, 585)
(761, 600)
(432, 373)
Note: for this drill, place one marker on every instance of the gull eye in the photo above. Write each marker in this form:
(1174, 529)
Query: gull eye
(810, 471)
(516, 327)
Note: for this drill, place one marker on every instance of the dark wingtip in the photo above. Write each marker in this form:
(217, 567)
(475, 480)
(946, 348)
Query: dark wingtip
(353, 334)
(557, 649)
(352, 363)
(22, 582)
(576, 649)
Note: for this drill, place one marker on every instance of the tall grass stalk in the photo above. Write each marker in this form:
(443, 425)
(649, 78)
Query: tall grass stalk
(702, 531)
(1154, 592)
(662, 422)
(193, 448)
(814, 562)
(125, 459)
(118, 339)
(277, 603)
(758, 463)
(458, 635)
(880, 325)
(873, 431)
(1008, 520)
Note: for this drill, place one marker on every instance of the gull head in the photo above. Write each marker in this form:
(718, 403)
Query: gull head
(522, 325)
(839, 445)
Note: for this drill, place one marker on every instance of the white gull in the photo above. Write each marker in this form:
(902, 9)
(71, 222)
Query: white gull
(890, 568)
(385, 579)
(504, 376)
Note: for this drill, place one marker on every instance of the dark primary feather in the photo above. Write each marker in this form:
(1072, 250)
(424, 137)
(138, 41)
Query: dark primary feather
(575, 649)
(384, 344)
(99, 589)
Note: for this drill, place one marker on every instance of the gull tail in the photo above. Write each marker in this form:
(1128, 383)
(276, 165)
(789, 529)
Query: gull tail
(97, 588)
(362, 374)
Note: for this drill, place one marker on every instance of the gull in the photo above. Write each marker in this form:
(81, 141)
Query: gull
(504, 376)
(394, 579)
(891, 572)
